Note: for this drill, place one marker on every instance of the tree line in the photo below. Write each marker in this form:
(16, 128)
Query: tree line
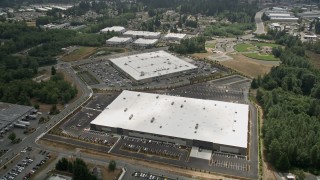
(290, 98)
(189, 46)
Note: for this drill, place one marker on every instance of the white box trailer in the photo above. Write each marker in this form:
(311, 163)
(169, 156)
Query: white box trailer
(19, 125)
(24, 122)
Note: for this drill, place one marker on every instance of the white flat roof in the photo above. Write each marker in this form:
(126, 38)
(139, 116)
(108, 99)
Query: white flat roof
(146, 41)
(113, 28)
(119, 39)
(175, 35)
(218, 122)
(279, 15)
(151, 64)
(142, 33)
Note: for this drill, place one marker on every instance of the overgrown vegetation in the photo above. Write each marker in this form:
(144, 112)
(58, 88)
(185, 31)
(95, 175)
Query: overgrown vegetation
(290, 98)
(189, 46)
(228, 30)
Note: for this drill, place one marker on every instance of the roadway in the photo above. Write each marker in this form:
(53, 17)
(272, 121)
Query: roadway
(259, 23)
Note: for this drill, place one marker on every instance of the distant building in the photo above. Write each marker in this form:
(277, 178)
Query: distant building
(141, 42)
(174, 36)
(115, 41)
(143, 34)
(117, 29)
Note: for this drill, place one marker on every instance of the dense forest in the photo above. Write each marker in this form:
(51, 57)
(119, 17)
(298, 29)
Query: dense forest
(17, 70)
(290, 98)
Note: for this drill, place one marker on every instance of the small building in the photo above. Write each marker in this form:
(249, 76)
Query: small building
(118, 41)
(174, 36)
(117, 29)
(143, 34)
(141, 42)
(310, 37)
(275, 26)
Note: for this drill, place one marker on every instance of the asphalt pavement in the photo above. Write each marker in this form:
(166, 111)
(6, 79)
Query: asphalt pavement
(259, 23)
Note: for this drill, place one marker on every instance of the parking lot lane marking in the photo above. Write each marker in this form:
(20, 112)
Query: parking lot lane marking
(114, 144)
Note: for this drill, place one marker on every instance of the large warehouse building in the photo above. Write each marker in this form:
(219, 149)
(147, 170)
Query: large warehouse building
(152, 65)
(143, 34)
(213, 125)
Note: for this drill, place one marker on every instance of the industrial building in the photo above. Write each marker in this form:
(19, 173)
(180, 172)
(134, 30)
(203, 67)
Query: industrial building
(115, 41)
(142, 42)
(117, 29)
(152, 66)
(143, 34)
(208, 124)
(174, 36)
(12, 114)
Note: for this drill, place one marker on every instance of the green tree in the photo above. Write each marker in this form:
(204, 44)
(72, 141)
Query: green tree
(112, 165)
(12, 136)
(53, 70)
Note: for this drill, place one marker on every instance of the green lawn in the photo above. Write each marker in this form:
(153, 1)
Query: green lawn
(245, 47)
(266, 44)
(264, 57)
(210, 45)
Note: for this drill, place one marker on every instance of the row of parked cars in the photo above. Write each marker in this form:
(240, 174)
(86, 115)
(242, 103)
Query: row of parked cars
(37, 166)
(19, 168)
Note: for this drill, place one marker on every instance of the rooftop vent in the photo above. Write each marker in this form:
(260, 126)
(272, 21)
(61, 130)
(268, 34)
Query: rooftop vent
(160, 127)
(234, 120)
(234, 130)
(125, 64)
(138, 95)
(204, 108)
(197, 125)
(131, 116)
(195, 132)
(126, 109)
(181, 106)
(152, 119)
(157, 97)
(172, 103)
(124, 98)
(236, 112)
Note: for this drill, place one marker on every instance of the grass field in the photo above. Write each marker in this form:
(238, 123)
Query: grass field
(109, 50)
(31, 24)
(88, 78)
(247, 66)
(210, 45)
(266, 44)
(314, 59)
(78, 54)
(264, 57)
(245, 47)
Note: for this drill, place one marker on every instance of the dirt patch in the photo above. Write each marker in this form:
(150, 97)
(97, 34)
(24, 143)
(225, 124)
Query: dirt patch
(106, 174)
(78, 54)
(314, 59)
(246, 66)
(201, 55)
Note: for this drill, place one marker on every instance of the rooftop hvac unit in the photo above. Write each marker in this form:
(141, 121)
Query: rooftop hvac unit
(152, 119)
(138, 95)
(125, 110)
(157, 97)
(172, 103)
(142, 73)
(197, 125)
(131, 116)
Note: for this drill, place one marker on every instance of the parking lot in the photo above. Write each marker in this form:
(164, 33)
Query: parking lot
(27, 163)
(230, 165)
(145, 175)
(149, 147)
